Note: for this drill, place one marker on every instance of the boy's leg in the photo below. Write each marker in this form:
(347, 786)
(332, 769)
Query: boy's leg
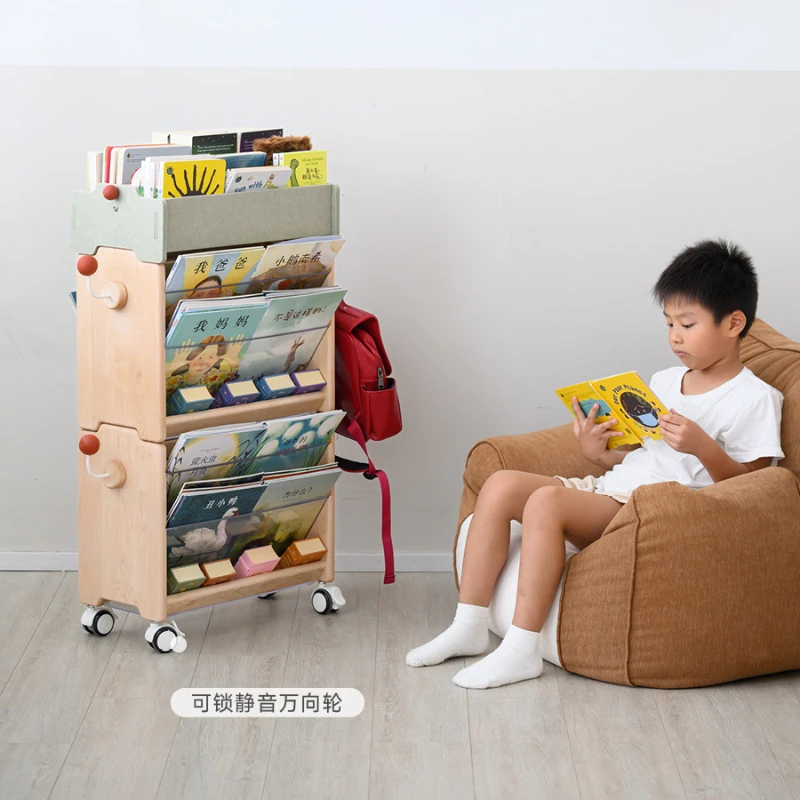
(550, 516)
(502, 498)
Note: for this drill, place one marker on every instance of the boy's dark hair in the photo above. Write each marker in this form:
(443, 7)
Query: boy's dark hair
(718, 275)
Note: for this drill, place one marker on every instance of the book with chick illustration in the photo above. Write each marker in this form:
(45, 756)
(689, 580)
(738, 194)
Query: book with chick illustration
(624, 397)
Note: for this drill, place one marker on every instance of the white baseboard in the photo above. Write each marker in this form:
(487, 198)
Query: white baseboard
(345, 562)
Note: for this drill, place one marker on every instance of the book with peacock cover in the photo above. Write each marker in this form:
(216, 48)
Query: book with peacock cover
(624, 397)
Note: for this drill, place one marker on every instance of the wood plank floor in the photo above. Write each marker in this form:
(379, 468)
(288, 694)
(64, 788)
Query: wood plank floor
(89, 718)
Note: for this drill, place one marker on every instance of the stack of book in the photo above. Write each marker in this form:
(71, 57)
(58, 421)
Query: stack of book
(190, 163)
(240, 316)
(239, 488)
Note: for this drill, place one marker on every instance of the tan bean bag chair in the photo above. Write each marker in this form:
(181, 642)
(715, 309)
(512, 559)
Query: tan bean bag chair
(685, 587)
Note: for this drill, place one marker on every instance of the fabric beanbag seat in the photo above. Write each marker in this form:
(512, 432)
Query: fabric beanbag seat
(685, 587)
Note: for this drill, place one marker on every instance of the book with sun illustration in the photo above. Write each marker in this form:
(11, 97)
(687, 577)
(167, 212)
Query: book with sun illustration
(624, 397)
(190, 178)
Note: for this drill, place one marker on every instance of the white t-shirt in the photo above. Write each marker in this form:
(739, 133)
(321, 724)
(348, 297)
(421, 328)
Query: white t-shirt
(743, 415)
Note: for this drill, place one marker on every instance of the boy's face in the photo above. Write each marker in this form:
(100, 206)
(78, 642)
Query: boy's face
(694, 337)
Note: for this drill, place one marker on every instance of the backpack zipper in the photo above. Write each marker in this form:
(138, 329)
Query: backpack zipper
(381, 383)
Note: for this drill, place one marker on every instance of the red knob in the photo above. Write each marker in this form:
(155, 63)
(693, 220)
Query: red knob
(87, 265)
(110, 192)
(89, 444)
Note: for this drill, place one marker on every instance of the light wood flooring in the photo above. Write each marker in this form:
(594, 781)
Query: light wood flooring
(89, 718)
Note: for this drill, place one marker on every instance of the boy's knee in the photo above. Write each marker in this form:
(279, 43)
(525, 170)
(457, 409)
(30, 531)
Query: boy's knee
(544, 500)
(497, 484)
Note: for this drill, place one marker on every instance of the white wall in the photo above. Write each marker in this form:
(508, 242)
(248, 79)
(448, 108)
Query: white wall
(471, 34)
(506, 227)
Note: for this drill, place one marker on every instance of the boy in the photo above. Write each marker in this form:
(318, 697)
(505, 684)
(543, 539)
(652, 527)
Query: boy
(723, 421)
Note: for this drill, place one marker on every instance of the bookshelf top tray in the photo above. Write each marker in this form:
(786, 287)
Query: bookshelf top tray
(154, 228)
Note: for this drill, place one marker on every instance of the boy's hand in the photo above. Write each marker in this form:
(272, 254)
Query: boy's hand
(593, 438)
(683, 434)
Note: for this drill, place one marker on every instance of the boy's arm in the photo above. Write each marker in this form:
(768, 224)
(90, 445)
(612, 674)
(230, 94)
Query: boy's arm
(721, 466)
(611, 458)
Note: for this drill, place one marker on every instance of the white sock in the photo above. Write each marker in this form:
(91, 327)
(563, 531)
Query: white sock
(467, 636)
(518, 658)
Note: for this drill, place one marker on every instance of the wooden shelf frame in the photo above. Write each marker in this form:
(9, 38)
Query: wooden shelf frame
(122, 386)
(122, 536)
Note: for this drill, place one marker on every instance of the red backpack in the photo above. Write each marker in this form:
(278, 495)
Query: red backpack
(368, 396)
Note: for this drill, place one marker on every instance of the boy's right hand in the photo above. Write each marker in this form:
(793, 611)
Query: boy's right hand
(592, 437)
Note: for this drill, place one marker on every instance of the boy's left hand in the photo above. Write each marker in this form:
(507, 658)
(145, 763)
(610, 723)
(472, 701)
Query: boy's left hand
(682, 434)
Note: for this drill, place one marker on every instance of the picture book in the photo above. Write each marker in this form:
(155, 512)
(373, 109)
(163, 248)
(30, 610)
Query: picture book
(286, 511)
(248, 136)
(211, 342)
(254, 158)
(252, 178)
(148, 178)
(309, 167)
(624, 397)
(202, 142)
(210, 504)
(289, 332)
(238, 139)
(296, 264)
(128, 159)
(205, 341)
(282, 444)
(216, 273)
(190, 178)
(108, 152)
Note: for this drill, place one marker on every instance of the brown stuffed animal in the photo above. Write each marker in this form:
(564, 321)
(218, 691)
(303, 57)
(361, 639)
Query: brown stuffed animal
(281, 144)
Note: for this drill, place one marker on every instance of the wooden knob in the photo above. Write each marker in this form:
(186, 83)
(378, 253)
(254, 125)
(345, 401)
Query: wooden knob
(87, 265)
(117, 295)
(89, 444)
(116, 474)
(110, 192)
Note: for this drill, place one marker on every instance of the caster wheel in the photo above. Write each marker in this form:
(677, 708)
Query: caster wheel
(322, 601)
(326, 599)
(165, 638)
(98, 621)
(103, 622)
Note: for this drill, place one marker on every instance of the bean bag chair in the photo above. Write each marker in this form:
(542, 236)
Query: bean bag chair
(685, 587)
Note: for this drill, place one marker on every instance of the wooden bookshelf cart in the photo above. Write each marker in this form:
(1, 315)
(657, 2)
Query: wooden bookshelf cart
(123, 242)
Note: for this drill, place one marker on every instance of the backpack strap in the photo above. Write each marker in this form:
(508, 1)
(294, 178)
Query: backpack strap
(370, 473)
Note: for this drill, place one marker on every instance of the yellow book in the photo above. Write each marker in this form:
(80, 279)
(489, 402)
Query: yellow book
(190, 178)
(624, 397)
(309, 167)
